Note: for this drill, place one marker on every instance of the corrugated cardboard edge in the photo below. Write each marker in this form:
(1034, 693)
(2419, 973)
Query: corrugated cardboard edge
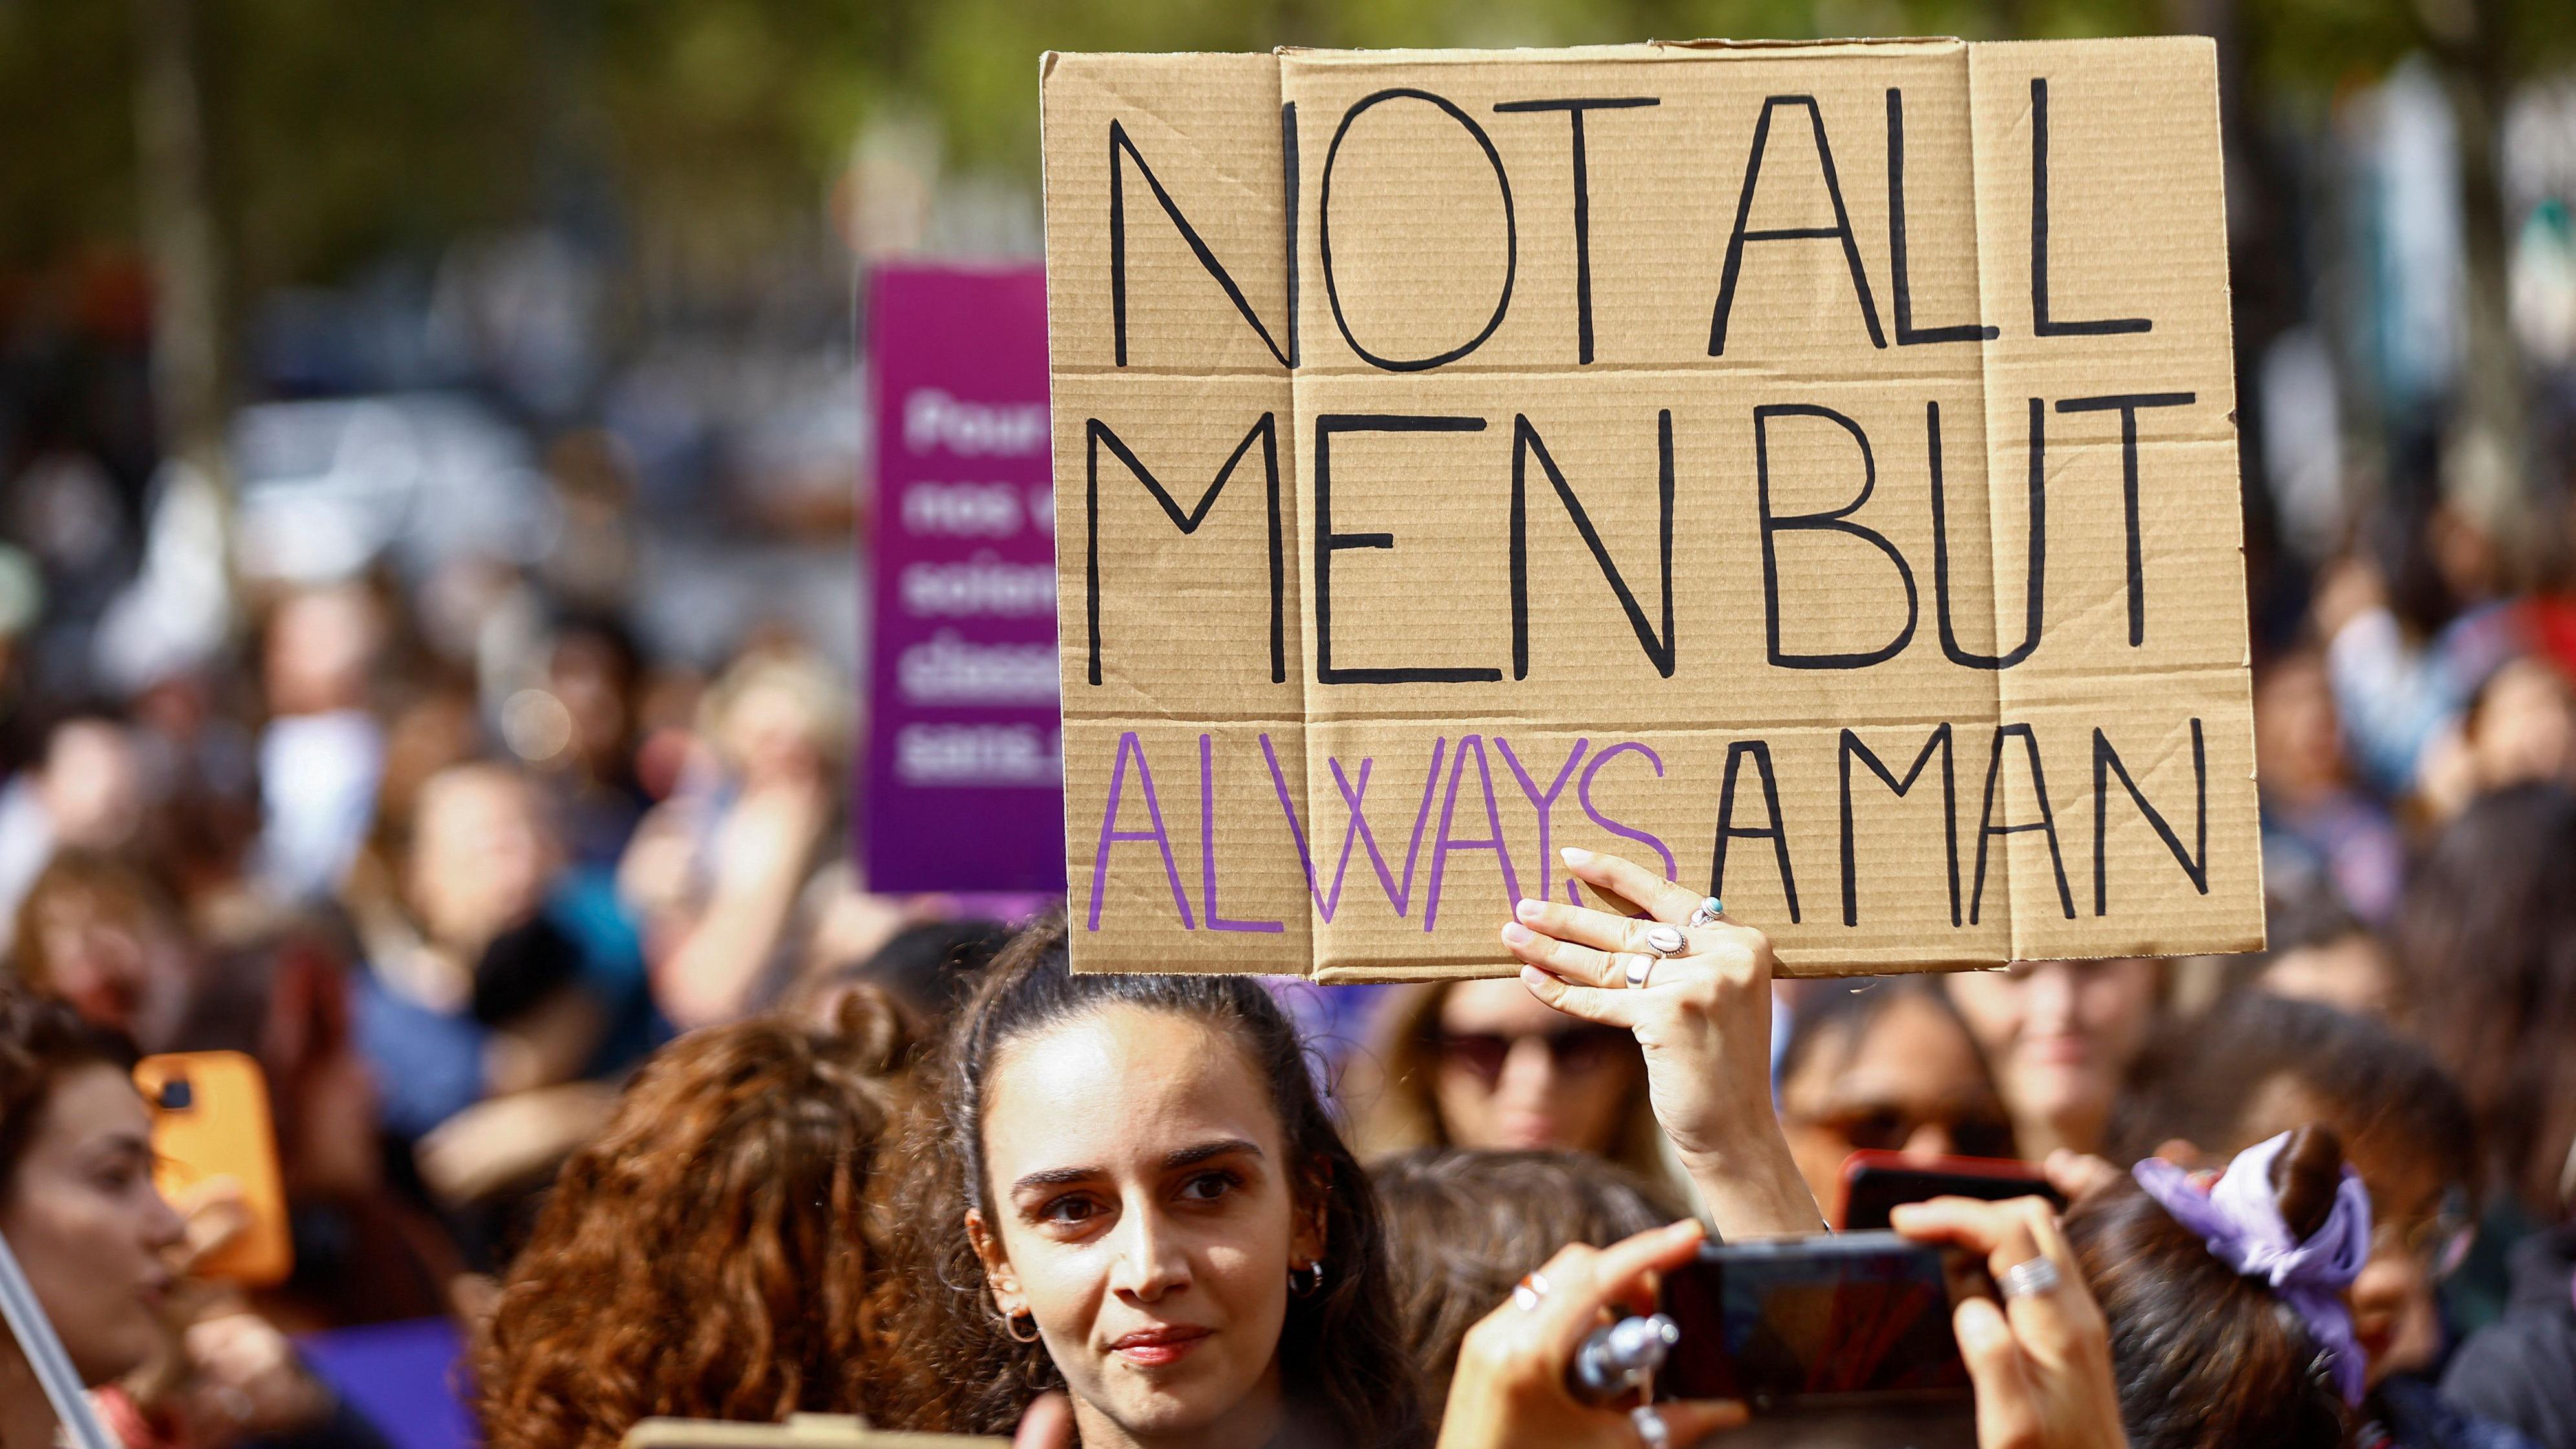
(1795, 964)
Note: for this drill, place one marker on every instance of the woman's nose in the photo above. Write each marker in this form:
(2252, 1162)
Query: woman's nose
(1150, 1263)
(1528, 1070)
(1929, 1139)
(163, 1228)
(2048, 999)
(2388, 1282)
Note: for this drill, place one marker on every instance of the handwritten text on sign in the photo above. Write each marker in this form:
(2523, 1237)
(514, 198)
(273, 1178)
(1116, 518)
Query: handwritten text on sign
(1810, 470)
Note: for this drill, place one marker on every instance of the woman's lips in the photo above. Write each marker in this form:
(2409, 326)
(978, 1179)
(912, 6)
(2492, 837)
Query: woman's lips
(2060, 1051)
(1158, 1347)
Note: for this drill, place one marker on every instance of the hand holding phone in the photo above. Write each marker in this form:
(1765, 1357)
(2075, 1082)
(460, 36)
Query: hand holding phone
(218, 1162)
(1830, 1322)
(2041, 1362)
(1511, 1385)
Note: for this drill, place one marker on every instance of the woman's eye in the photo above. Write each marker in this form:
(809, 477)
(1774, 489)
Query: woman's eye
(1209, 1186)
(1069, 1210)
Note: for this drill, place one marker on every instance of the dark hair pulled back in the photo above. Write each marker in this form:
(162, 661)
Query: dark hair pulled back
(2207, 1358)
(1344, 1367)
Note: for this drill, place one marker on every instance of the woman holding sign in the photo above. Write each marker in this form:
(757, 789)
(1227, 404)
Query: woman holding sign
(1695, 989)
(1129, 1188)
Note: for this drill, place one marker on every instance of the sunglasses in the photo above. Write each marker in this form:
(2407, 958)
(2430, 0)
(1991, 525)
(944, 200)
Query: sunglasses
(1574, 1051)
(2441, 1243)
(1888, 1129)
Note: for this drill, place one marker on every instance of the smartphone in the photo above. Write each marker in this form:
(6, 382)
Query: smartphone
(1841, 1339)
(211, 1132)
(1875, 1183)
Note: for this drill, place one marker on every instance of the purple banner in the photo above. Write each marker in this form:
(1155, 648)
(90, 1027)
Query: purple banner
(964, 787)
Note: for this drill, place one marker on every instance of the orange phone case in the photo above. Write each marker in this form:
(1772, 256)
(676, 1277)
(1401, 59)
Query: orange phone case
(210, 1122)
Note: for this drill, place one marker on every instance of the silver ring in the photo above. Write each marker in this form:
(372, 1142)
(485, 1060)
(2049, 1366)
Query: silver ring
(2029, 1280)
(1650, 1426)
(1708, 912)
(1527, 1292)
(1638, 969)
(1666, 940)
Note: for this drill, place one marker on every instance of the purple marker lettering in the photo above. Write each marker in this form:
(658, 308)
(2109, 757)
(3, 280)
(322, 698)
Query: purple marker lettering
(1325, 904)
(1400, 899)
(1545, 804)
(1583, 792)
(1447, 843)
(1207, 845)
(1111, 835)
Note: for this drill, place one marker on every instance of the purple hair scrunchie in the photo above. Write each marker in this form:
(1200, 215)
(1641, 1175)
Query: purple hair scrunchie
(2240, 1220)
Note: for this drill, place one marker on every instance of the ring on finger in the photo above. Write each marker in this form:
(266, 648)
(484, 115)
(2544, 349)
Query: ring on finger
(1651, 1429)
(1527, 1293)
(2031, 1279)
(1665, 940)
(1707, 912)
(1636, 969)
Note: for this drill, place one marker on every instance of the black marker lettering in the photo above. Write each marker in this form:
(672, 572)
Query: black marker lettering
(1582, 200)
(2034, 590)
(2106, 762)
(1097, 433)
(1744, 212)
(1525, 442)
(1324, 232)
(1775, 832)
(1851, 749)
(1907, 334)
(1327, 543)
(2127, 405)
(2041, 322)
(1122, 150)
(1836, 520)
(1987, 829)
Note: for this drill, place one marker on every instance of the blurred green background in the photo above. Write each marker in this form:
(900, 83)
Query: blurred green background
(645, 219)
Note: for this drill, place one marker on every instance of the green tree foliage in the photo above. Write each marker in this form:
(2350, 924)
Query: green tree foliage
(342, 129)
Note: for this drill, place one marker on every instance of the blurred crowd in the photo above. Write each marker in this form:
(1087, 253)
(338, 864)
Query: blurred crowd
(463, 861)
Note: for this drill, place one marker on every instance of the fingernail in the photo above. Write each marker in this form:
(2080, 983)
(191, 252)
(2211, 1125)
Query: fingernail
(1528, 910)
(1533, 978)
(1575, 855)
(1686, 1228)
(1980, 1324)
(1517, 934)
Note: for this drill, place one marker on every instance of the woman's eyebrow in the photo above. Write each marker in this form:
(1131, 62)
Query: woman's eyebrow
(1057, 1177)
(1189, 1156)
(1227, 1147)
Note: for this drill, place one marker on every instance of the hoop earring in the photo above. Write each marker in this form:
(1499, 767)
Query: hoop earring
(1011, 1326)
(1306, 1281)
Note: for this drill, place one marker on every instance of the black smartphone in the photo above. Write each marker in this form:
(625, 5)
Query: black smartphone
(1876, 1183)
(1839, 1339)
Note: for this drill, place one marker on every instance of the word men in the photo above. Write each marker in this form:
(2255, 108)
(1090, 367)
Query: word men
(1807, 469)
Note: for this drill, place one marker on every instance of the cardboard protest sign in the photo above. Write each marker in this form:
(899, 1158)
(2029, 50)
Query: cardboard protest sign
(1807, 469)
(963, 784)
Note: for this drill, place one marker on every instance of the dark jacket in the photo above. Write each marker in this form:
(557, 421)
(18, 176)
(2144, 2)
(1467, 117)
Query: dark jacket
(2521, 1370)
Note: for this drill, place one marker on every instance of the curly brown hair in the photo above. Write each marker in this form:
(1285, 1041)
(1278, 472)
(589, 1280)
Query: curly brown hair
(710, 1255)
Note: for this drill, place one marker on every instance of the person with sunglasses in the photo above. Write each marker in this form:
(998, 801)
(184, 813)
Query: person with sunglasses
(1885, 1066)
(1486, 1066)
